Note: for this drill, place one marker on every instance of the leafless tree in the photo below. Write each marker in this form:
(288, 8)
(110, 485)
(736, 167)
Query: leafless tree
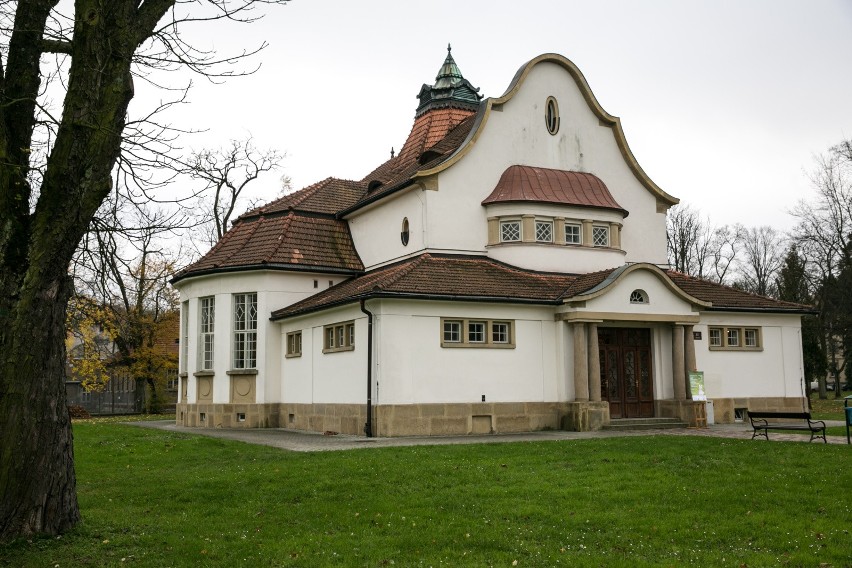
(697, 248)
(56, 166)
(824, 236)
(763, 250)
(225, 173)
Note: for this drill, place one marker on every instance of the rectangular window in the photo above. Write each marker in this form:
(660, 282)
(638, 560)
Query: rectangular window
(544, 231)
(500, 332)
(735, 338)
(294, 344)
(477, 333)
(208, 315)
(339, 337)
(184, 335)
(452, 331)
(600, 236)
(510, 231)
(572, 234)
(245, 331)
(750, 337)
(715, 337)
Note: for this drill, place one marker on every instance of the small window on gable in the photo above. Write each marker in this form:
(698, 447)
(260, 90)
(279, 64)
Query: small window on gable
(638, 297)
(551, 115)
(510, 231)
(404, 233)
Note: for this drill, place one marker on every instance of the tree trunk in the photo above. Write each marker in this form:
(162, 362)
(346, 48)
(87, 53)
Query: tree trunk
(37, 481)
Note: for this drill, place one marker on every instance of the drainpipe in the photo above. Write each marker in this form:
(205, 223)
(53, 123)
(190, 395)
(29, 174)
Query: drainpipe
(368, 427)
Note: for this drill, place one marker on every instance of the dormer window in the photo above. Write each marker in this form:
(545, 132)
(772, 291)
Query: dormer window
(544, 231)
(600, 236)
(510, 231)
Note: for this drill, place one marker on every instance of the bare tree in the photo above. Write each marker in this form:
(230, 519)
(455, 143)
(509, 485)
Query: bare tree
(763, 250)
(226, 172)
(824, 237)
(696, 248)
(55, 172)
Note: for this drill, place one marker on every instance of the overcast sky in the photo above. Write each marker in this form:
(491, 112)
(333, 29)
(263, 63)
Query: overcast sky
(724, 103)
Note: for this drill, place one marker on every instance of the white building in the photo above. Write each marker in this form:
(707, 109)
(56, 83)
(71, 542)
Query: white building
(506, 271)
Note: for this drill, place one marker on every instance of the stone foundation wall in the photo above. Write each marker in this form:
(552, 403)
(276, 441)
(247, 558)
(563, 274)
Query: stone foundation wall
(724, 408)
(402, 419)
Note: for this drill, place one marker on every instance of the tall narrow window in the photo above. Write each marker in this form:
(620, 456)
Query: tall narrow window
(404, 233)
(184, 335)
(245, 331)
(208, 314)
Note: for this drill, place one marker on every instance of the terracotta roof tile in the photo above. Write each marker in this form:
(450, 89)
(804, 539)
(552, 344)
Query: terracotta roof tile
(439, 276)
(723, 297)
(292, 239)
(327, 196)
(545, 185)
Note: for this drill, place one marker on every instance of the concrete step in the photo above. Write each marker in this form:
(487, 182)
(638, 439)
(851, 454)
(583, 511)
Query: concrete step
(644, 424)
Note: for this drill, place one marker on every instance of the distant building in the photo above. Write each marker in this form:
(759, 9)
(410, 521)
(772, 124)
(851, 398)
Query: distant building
(505, 271)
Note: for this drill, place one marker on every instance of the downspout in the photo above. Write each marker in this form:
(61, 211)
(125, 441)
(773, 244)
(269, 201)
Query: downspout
(368, 427)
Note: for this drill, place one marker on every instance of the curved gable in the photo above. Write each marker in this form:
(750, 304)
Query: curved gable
(620, 274)
(613, 122)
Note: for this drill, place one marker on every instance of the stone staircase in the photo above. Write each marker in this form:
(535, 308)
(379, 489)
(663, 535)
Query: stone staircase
(623, 424)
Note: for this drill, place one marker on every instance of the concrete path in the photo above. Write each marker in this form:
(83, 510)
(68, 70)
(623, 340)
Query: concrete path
(299, 441)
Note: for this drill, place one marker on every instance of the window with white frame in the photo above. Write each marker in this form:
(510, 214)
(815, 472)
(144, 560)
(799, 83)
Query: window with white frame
(544, 231)
(510, 231)
(458, 332)
(245, 331)
(339, 337)
(207, 313)
(735, 338)
(600, 236)
(294, 344)
(572, 234)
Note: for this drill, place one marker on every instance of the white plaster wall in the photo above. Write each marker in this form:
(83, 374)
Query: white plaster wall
(776, 371)
(376, 230)
(413, 367)
(661, 299)
(517, 135)
(324, 378)
(275, 289)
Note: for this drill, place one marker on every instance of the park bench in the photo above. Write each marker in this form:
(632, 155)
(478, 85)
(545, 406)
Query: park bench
(760, 421)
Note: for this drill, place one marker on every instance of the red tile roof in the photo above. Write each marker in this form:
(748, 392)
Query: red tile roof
(545, 185)
(452, 277)
(724, 297)
(478, 278)
(291, 240)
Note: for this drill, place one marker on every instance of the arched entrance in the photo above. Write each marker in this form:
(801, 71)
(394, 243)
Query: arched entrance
(627, 381)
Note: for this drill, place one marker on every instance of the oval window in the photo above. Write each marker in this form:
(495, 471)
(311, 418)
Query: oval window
(551, 115)
(403, 235)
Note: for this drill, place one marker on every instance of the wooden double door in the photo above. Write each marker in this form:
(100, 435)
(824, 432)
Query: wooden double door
(627, 380)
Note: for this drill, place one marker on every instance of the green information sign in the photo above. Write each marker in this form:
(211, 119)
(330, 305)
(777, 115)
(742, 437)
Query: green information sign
(696, 383)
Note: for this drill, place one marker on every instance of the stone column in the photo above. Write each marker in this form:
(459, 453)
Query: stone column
(586, 238)
(528, 228)
(559, 230)
(689, 357)
(594, 364)
(678, 365)
(581, 364)
(493, 230)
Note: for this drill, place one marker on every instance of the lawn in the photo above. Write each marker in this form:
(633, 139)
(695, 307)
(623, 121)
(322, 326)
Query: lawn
(159, 499)
(830, 408)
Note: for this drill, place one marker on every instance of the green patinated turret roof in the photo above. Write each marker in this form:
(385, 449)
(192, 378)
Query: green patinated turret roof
(451, 89)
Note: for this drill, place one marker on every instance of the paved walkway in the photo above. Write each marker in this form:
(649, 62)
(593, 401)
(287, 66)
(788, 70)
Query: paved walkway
(299, 441)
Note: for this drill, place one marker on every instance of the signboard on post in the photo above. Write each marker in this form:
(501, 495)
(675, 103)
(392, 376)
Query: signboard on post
(696, 383)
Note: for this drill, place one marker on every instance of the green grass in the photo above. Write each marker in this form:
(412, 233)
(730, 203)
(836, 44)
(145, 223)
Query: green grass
(155, 498)
(830, 408)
